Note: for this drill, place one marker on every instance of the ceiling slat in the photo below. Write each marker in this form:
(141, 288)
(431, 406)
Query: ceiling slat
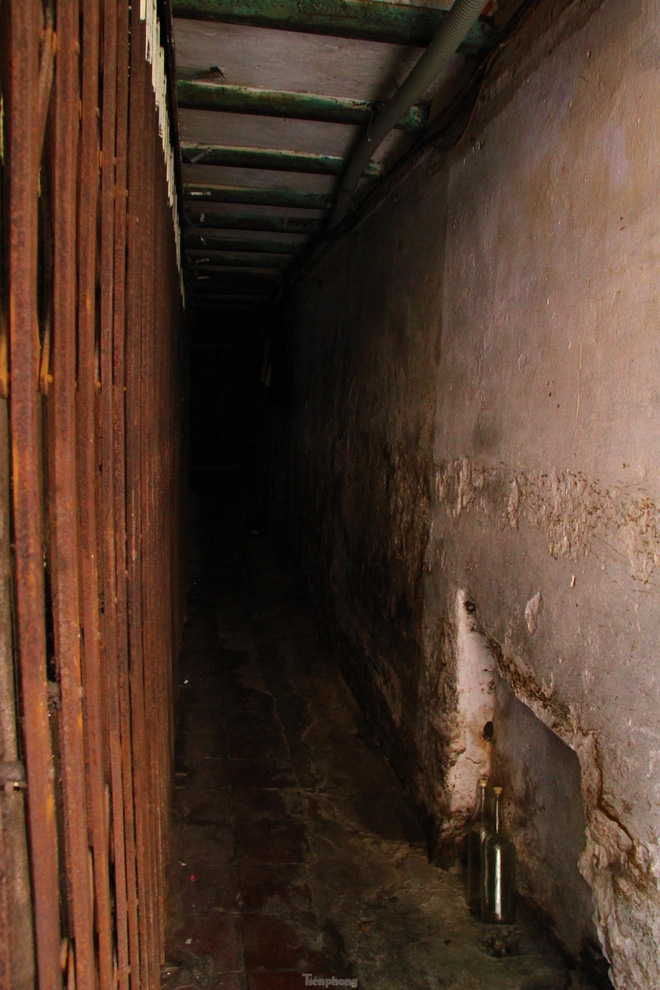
(199, 258)
(218, 271)
(204, 289)
(208, 241)
(277, 224)
(269, 158)
(367, 20)
(199, 192)
(194, 95)
(217, 300)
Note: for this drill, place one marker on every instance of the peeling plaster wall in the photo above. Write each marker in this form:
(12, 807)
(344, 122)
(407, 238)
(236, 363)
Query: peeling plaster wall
(476, 379)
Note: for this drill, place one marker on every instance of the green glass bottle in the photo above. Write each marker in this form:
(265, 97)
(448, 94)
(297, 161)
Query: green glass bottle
(477, 833)
(498, 899)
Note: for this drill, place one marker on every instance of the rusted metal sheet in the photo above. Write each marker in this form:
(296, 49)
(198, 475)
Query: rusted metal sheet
(94, 314)
(21, 148)
(138, 316)
(87, 473)
(111, 634)
(119, 481)
(132, 468)
(63, 509)
(5, 961)
(16, 930)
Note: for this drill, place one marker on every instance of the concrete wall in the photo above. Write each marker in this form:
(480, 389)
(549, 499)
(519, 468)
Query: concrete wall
(476, 421)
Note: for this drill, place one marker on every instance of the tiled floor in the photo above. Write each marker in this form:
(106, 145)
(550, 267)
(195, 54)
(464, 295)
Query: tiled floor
(294, 849)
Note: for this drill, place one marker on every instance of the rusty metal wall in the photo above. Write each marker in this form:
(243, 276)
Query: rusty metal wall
(91, 587)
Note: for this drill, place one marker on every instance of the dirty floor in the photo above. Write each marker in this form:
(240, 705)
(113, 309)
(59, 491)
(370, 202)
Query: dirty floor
(296, 860)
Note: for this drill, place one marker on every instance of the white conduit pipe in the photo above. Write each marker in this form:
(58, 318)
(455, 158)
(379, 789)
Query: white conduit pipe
(460, 19)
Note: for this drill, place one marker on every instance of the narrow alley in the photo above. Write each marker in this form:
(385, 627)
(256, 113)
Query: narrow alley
(294, 849)
(329, 494)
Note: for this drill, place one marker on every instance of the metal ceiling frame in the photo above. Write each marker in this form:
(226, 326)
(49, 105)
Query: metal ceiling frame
(207, 230)
(364, 20)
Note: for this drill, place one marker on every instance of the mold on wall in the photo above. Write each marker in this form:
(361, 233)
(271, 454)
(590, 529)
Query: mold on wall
(476, 410)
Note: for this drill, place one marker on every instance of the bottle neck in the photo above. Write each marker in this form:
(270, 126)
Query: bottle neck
(481, 803)
(497, 815)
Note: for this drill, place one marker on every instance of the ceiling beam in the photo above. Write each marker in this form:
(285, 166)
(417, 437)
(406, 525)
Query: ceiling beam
(199, 259)
(205, 273)
(366, 20)
(235, 302)
(270, 159)
(235, 277)
(204, 289)
(209, 242)
(208, 193)
(231, 301)
(277, 224)
(193, 95)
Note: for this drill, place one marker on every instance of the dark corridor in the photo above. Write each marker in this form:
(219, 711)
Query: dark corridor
(296, 856)
(263, 428)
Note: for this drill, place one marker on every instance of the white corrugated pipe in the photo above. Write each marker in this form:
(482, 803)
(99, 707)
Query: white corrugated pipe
(460, 19)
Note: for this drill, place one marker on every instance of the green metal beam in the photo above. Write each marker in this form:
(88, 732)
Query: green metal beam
(204, 289)
(230, 302)
(234, 277)
(277, 224)
(215, 273)
(206, 241)
(269, 158)
(199, 259)
(217, 300)
(206, 193)
(367, 20)
(281, 103)
(228, 296)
